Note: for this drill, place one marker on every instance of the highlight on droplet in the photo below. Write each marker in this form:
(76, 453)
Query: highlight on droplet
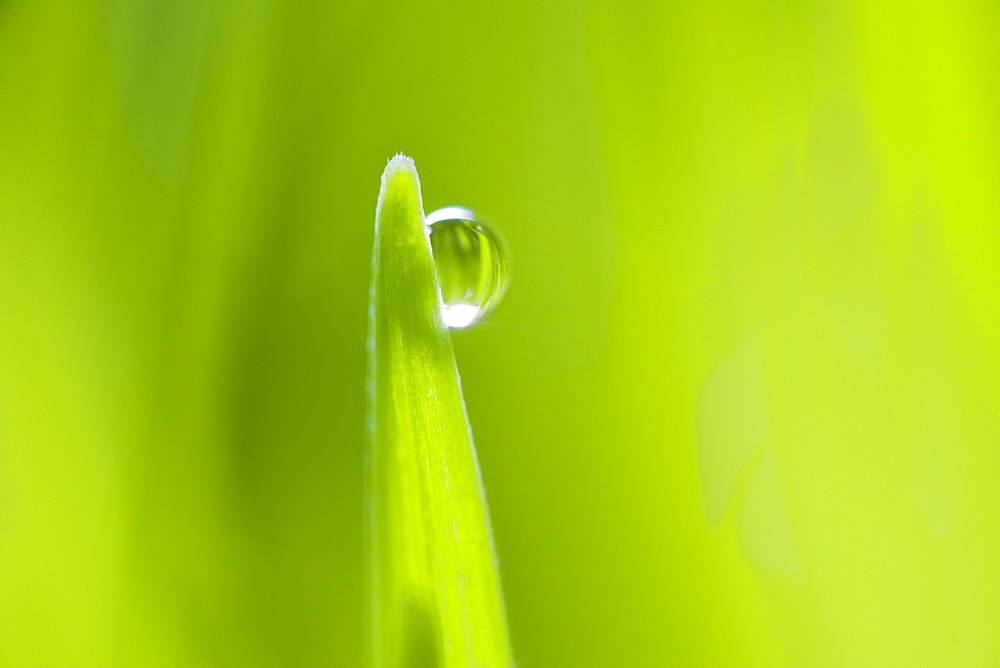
(459, 315)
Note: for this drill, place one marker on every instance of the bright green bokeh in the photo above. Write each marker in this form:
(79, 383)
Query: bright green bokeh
(739, 405)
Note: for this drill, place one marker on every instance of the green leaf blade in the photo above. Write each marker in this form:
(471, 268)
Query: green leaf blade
(434, 596)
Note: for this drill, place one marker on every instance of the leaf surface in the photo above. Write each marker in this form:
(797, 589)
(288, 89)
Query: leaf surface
(434, 595)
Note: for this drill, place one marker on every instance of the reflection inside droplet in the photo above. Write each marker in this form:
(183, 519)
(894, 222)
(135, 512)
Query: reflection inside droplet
(472, 264)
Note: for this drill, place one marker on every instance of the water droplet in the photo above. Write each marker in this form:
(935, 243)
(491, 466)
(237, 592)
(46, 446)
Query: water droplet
(472, 264)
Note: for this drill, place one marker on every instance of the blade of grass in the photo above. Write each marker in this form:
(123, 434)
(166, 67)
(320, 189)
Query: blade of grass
(433, 588)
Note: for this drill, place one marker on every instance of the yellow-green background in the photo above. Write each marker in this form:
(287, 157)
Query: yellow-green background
(740, 406)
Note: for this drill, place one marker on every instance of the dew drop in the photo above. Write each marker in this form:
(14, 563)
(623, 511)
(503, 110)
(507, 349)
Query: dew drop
(472, 264)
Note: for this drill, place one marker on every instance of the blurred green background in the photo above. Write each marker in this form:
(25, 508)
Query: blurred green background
(740, 406)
